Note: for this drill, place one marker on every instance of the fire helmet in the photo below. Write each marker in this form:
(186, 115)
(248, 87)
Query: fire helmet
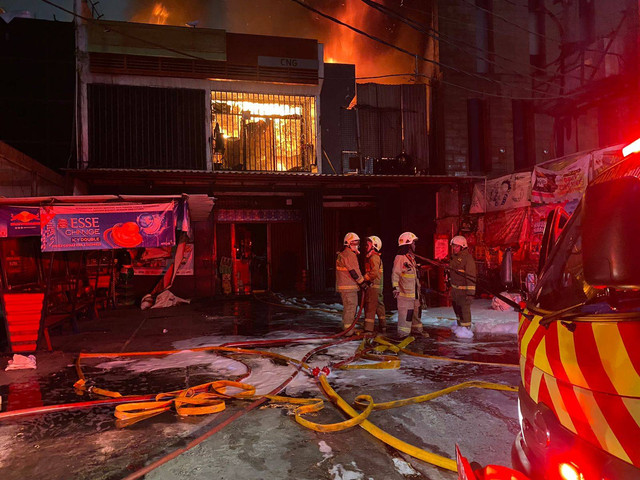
(351, 237)
(376, 242)
(460, 241)
(407, 238)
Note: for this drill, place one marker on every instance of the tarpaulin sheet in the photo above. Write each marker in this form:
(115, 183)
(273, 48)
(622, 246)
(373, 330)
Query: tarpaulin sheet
(107, 226)
(156, 261)
(506, 227)
(19, 221)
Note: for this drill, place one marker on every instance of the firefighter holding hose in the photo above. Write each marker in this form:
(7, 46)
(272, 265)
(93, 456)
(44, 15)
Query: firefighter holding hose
(406, 287)
(373, 303)
(462, 275)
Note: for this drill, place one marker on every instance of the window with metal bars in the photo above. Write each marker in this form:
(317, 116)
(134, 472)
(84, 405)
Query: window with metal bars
(254, 131)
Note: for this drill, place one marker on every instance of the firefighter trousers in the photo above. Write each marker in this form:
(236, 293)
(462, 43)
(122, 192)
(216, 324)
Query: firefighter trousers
(374, 305)
(349, 307)
(409, 313)
(461, 306)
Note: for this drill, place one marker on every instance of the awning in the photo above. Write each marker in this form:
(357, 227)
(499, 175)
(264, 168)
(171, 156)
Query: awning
(99, 222)
(199, 205)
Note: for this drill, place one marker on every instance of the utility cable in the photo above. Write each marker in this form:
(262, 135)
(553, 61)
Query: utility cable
(471, 90)
(440, 37)
(414, 55)
(119, 32)
(428, 60)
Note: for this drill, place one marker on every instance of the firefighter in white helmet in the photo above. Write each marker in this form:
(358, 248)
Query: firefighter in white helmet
(373, 302)
(349, 279)
(406, 287)
(462, 276)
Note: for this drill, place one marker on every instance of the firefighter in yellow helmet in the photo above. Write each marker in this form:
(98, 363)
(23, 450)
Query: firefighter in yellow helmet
(406, 287)
(462, 276)
(373, 302)
(349, 279)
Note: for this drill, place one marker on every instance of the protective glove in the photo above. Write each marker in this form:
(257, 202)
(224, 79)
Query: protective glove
(365, 285)
(396, 292)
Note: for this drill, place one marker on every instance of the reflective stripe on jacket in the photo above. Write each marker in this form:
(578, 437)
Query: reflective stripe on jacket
(373, 270)
(404, 276)
(463, 262)
(348, 276)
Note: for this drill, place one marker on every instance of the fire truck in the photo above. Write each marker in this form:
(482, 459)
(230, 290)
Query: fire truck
(579, 339)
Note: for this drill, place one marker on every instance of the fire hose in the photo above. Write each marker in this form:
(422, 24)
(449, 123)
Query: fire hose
(476, 280)
(210, 397)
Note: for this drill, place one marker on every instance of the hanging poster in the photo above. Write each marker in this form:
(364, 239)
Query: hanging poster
(107, 226)
(509, 191)
(538, 220)
(19, 221)
(506, 227)
(603, 159)
(440, 247)
(156, 261)
(560, 181)
(478, 200)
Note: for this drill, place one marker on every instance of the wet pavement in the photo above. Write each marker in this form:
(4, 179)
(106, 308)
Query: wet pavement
(86, 443)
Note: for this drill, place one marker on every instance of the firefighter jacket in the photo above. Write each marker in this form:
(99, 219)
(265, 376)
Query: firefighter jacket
(464, 263)
(404, 276)
(348, 276)
(373, 270)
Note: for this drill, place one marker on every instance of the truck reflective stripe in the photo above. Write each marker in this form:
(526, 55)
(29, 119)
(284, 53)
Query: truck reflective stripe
(617, 362)
(558, 404)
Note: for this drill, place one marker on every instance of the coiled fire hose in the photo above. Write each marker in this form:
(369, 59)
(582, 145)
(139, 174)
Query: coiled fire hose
(210, 397)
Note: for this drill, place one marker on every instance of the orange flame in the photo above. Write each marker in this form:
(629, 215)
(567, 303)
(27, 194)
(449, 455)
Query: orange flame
(159, 14)
(340, 46)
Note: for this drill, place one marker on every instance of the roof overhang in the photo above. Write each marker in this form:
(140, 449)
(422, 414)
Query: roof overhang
(199, 205)
(297, 181)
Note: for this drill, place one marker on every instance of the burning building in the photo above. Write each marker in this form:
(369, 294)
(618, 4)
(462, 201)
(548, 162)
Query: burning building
(263, 125)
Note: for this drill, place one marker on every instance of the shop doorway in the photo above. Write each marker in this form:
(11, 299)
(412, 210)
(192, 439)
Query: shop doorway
(243, 257)
(249, 242)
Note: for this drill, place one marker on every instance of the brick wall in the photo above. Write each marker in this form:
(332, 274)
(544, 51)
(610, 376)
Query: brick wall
(458, 22)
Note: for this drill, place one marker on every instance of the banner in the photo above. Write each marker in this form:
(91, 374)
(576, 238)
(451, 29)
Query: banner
(506, 227)
(503, 193)
(603, 159)
(107, 226)
(19, 221)
(560, 181)
(155, 261)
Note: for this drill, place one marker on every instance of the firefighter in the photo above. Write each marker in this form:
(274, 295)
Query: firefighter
(349, 279)
(406, 287)
(373, 302)
(462, 275)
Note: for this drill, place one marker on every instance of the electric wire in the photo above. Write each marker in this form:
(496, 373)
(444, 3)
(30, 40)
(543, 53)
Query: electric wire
(413, 55)
(445, 82)
(119, 32)
(517, 25)
(440, 37)
(421, 57)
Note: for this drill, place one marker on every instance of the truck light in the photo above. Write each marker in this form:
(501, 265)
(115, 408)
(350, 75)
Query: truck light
(633, 147)
(569, 472)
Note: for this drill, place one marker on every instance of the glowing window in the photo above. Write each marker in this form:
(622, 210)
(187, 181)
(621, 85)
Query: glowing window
(253, 131)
